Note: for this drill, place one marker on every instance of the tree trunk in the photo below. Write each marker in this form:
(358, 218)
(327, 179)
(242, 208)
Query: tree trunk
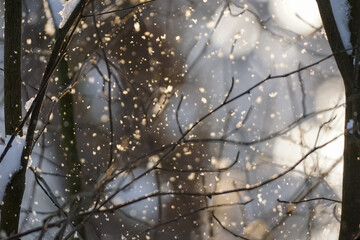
(12, 65)
(10, 209)
(350, 217)
(68, 141)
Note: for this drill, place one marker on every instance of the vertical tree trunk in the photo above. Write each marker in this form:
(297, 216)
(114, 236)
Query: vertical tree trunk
(10, 209)
(350, 217)
(12, 65)
(68, 141)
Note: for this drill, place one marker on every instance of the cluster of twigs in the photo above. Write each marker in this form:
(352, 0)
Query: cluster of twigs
(99, 200)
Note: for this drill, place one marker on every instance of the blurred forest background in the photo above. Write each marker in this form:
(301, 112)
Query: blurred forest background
(192, 120)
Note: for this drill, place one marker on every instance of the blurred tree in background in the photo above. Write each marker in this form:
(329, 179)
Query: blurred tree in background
(178, 119)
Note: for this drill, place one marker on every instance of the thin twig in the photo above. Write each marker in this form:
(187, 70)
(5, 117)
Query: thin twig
(309, 200)
(227, 229)
(184, 216)
(177, 115)
(119, 10)
(203, 170)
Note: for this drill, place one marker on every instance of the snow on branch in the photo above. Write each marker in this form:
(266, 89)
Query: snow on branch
(341, 12)
(68, 8)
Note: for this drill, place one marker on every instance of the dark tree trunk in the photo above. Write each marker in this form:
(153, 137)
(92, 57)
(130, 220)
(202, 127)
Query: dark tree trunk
(345, 59)
(10, 209)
